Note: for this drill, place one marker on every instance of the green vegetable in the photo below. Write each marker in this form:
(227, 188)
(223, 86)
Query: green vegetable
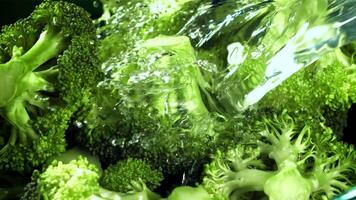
(149, 102)
(126, 23)
(47, 71)
(128, 174)
(184, 192)
(325, 88)
(288, 162)
(151, 108)
(79, 180)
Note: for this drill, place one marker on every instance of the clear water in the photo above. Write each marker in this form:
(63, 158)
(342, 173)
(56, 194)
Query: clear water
(211, 19)
(332, 29)
(307, 46)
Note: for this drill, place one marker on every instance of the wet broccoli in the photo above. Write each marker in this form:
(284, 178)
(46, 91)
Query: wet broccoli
(289, 161)
(48, 69)
(151, 108)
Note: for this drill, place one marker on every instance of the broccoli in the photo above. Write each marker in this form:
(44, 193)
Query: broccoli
(48, 68)
(288, 162)
(126, 23)
(250, 49)
(324, 88)
(79, 178)
(64, 163)
(186, 192)
(151, 117)
(127, 174)
(326, 84)
(152, 109)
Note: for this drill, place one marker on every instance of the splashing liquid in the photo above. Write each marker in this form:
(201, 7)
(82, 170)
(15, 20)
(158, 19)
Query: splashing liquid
(307, 46)
(280, 43)
(212, 19)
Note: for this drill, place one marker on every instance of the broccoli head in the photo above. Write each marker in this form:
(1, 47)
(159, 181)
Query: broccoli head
(152, 108)
(324, 88)
(76, 177)
(125, 23)
(128, 175)
(47, 71)
(289, 162)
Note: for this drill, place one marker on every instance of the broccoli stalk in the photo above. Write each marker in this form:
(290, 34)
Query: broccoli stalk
(186, 192)
(20, 84)
(305, 166)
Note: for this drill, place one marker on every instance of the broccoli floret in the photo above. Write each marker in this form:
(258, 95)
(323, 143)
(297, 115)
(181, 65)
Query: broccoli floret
(76, 177)
(326, 83)
(287, 163)
(127, 175)
(325, 88)
(250, 52)
(128, 22)
(74, 180)
(48, 69)
(30, 191)
(153, 109)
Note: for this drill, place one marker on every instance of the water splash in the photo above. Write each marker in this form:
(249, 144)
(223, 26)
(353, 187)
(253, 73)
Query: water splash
(212, 19)
(307, 46)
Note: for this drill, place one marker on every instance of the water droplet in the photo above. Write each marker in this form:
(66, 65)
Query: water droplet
(78, 124)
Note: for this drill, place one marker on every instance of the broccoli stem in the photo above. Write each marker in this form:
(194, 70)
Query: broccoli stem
(19, 84)
(12, 72)
(248, 180)
(18, 116)
(288, 183)
(194, 102)
(11, 141)
(47, 47)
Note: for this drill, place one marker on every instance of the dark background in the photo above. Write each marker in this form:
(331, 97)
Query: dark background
(12, 10)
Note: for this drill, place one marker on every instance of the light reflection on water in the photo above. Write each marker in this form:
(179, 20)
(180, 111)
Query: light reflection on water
(306, 43)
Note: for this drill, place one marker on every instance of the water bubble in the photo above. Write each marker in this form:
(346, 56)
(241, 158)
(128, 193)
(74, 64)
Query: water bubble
(78, 124)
